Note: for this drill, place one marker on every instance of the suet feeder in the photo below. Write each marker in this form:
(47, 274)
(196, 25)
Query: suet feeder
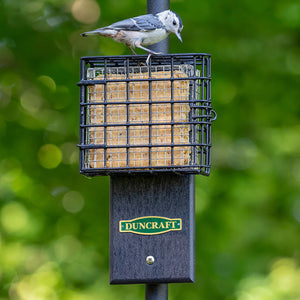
(138, 118)
(148, 126)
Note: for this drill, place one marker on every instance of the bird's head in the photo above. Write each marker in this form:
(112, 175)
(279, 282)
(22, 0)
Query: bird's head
(172, 22)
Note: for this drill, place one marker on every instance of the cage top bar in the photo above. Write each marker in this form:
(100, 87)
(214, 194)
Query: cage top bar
(160, 56)
(140, 60)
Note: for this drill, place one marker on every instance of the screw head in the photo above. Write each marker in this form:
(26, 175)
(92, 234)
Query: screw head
(150, 260)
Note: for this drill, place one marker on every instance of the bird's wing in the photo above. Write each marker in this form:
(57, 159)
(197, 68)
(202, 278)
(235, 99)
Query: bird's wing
(141, 23)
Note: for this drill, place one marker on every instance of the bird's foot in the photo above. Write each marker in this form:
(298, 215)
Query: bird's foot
(148, 58)
(155, 53)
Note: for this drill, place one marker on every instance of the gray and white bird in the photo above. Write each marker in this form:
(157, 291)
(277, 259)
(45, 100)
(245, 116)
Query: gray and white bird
(142, 30)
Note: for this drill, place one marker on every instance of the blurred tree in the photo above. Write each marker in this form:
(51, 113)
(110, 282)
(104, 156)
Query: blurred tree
(54, 222)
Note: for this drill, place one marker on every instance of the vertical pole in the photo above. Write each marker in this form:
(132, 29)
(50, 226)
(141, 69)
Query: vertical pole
(153, 7)
(158, 291)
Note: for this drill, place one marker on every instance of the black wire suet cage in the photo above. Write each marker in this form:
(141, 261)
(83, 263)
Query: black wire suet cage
(138, 118)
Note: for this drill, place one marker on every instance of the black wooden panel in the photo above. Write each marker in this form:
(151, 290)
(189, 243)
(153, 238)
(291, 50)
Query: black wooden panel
(170, 196)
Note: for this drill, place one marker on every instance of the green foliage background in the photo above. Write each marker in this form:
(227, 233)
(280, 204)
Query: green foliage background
(54, 222)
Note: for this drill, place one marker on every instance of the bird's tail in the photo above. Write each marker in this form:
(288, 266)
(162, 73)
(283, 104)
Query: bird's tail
(100, 31)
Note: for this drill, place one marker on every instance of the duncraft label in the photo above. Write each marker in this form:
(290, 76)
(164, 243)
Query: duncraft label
(150, 225)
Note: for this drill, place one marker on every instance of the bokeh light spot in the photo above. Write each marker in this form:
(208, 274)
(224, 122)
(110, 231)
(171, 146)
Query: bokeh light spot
(86, 11)
(73, 202)
(31, 102)
(32, 7)
(14, 218)
(48, 82)
(42, 284)
(50, 156)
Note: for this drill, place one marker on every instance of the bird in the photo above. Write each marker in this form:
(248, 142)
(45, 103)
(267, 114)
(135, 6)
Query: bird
(143, 30)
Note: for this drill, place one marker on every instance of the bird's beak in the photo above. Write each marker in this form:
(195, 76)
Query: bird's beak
(179, 36)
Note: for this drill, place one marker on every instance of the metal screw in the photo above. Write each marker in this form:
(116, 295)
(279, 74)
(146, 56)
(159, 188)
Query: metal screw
(150, 260)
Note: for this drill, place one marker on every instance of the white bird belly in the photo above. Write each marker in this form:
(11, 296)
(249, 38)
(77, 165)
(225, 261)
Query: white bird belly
(143, 37)
(153, 37)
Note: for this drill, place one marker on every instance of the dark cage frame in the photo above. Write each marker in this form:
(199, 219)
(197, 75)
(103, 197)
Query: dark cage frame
(198, 118)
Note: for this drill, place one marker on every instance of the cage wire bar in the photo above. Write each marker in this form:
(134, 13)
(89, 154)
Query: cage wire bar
(136, 118)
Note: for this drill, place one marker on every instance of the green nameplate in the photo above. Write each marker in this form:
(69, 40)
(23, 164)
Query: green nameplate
(150, 225)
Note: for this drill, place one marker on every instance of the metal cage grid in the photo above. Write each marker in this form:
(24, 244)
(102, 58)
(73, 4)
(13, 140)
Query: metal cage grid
(145, 118)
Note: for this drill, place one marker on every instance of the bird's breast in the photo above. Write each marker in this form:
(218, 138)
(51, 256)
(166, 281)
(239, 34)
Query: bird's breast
(153, 37)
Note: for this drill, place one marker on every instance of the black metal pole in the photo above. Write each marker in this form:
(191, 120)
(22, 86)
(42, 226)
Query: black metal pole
(153, 7)
(158, 291)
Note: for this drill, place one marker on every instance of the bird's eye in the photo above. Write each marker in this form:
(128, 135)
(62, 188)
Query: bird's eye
(174, 23)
